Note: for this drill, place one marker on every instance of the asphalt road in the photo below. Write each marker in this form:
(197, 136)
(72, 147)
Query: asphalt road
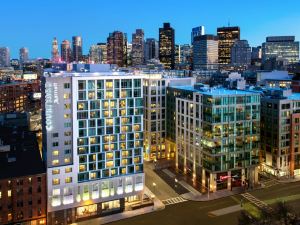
(195, 213)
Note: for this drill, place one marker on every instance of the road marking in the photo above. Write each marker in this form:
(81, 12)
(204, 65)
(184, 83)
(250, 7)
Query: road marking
(175, 200)
(270, 183)
(260, 204)
(224, 211)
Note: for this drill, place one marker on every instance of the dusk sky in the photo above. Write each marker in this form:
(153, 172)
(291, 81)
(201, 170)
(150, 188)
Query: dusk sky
(33, 23)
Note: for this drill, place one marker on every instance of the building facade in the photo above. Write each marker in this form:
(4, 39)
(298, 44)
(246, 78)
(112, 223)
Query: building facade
(66, 52)
(167, 46)
(227, 36)
(205, 52)
(117, 48)
(4, 57)
(24, 55)
(23, 193)
(280, 142)
(241, 54)
(77, 48)
(197, 31)
(137, 54)
(94, 146)
(217, 137)
(281, 48)
(55, 52)
(151, 49)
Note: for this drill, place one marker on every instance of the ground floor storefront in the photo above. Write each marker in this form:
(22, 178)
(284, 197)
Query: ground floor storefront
(89, 211)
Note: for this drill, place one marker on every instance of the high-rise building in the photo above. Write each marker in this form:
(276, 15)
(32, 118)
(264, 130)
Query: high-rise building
(155, 110)
(117, 48)
(137, 54)
(24, 55)
(167, 46)
(217, 137)
(77, 48)
(151, 49)
(66, 52)
(95, 54)
(183, 57)
(280, 134)
(281, 48)
(241, 53)
(55, 53)
(197, 31)
(103, 47)
(177, 55)
(227, 36)
(4, 57)
(129, 54)
(205, 52)
(93, 138)
(256, 53)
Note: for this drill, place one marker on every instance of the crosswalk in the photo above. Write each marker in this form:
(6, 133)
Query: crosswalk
(260, 204)
(175, 200)
(270, 183)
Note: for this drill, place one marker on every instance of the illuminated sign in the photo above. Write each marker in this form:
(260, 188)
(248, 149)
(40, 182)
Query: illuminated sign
(51, 97)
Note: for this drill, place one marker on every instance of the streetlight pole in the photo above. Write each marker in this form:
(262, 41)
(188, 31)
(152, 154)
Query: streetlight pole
(208, 187)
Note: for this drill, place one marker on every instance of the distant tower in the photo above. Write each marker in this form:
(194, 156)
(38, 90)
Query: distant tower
(197, 31)
(66, 53)
(4, 57)
(77, 48)
(167, 46)
(24, 55)
(55, 52)
(117, 48)
(138, 47)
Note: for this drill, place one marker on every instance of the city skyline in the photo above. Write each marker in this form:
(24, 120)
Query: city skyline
(94, 26)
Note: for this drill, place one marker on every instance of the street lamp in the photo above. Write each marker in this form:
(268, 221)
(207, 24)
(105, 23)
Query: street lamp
(176, 181)
(154, 185)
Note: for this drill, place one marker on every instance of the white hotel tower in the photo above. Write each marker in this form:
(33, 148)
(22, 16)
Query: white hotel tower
(93, 143)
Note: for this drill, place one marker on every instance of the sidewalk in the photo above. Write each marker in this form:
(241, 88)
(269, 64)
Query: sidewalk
(158, 205)
(289, 180)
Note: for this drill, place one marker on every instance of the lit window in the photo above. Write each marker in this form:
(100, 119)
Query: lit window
(68, 170)
(54, 172)
(55, 162)
(55, 153)
(67, 116)
(68, 180)
(67, 160)
(55, 181)
(0, 194)
(9, 193)
(67, 106)
(67, 96)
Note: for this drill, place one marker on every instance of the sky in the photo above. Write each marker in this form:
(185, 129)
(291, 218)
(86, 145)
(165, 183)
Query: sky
(34, 23)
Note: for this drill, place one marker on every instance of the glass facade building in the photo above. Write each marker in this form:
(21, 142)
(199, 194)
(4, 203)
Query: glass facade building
(167, 46)
(217, 137)
(93, 143)
(227, 36)
(281, 48)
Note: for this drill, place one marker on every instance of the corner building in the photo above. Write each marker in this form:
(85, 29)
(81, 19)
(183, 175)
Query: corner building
(93, 142)
(217, 137)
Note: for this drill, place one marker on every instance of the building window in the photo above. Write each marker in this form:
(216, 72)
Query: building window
(55, 135)
(67, 96)
(67, 106)
(54, 172)
(67, 116)
(67, 160)
(9, 193)
(68, 180)
(68, 170)
(55, 181)
(67, 133)
(66, 85)
(55, 153)
(55, 162)
(55, 144)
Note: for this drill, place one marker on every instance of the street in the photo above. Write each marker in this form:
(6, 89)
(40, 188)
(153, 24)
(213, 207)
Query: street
(195, 213)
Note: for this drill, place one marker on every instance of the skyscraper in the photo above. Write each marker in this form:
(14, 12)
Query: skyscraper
(117, 48)
(24, 55)
(55, 52)
(151, 49)
(281, 48)
(227, 36)
(137, 54)
(197, 31)
(95, 54)
(205, 52)
(103, 47)
(93, 138)
(77, 48)
(167, 46)
(4, 57)
(66, 52)
(241, 53)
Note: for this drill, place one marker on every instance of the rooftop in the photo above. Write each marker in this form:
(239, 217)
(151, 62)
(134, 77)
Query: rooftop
(19, 153)
(216, 91)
